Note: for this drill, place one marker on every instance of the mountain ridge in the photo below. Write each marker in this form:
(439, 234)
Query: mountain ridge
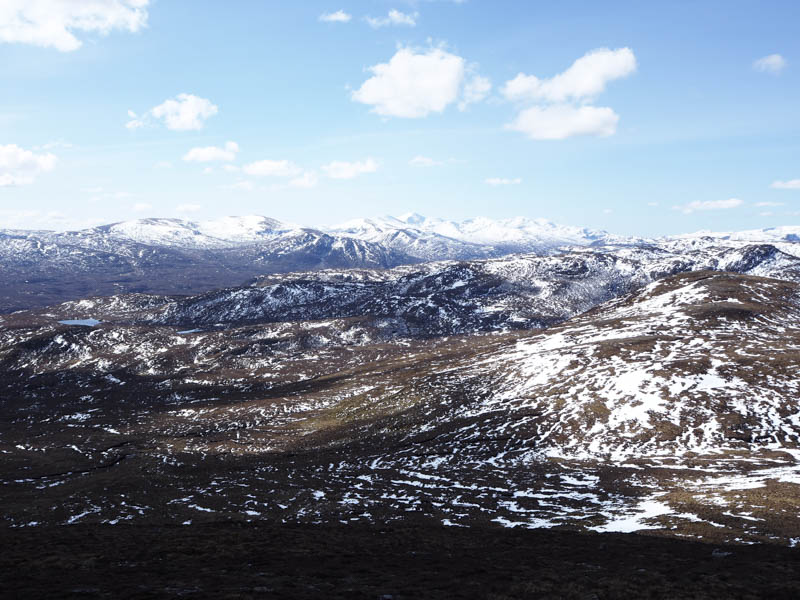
(173, 256)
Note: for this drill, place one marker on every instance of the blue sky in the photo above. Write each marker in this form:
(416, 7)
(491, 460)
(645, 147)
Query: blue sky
(666, 123)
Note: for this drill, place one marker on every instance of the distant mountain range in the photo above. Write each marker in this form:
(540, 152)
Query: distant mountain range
(172, 256)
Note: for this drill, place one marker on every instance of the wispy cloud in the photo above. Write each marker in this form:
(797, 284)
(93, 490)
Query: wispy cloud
(213, 153)
(497, 181)
(348, 170)
(703, 205)
(335, 17)
(272, 168)
(424, 161)
(791, 184)
(774, 63)
(395, 17)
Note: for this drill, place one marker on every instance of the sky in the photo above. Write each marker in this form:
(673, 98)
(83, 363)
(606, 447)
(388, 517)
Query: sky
(641, 118)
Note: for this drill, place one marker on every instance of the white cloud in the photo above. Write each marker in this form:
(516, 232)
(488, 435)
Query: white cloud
(774, 63)
(560, 108)
(586, 78)
(561, 121)
(272, 168)
(306, 180)
(475, 90)
(20, 167)
(54, 145)
(241, 186)
(213, 153)
(188, 208)
(766, 214)
(54, 23)
(708, 205)
(395, 17)
(101, 195)
(413, 84)
(142, 207)
(424, 161)
(135, 122)
(348, 170)
(496, 181)
(185, 112)
(792, 184)
(335, 17)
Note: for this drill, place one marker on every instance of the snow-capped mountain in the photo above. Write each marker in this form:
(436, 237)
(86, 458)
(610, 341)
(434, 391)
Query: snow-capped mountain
(171, 256)
(220, 233)
(439, 298)
(436, 238)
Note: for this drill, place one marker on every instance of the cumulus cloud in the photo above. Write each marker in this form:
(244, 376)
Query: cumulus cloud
(791, 184)
(54, 23)
(561, 106)
(348, 170)
(395, 17)
(213, 153)
(335, 17)
(586, 78)
(773, 63)
(561, 121)
(272, 168)
(185, 112)
(703, 205)
(413, 84)
(20, 167)
(496, 181)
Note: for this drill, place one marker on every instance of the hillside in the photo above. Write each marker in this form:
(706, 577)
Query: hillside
(672, 409)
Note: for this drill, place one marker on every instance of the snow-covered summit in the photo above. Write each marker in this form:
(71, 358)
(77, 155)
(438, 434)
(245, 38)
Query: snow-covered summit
(788, 233)
(413, 233)
(218, 233)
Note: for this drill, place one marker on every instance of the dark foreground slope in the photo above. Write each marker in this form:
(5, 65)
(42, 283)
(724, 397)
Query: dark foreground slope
(357, 562)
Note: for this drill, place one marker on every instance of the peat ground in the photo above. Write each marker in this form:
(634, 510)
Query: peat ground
(271, 561)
